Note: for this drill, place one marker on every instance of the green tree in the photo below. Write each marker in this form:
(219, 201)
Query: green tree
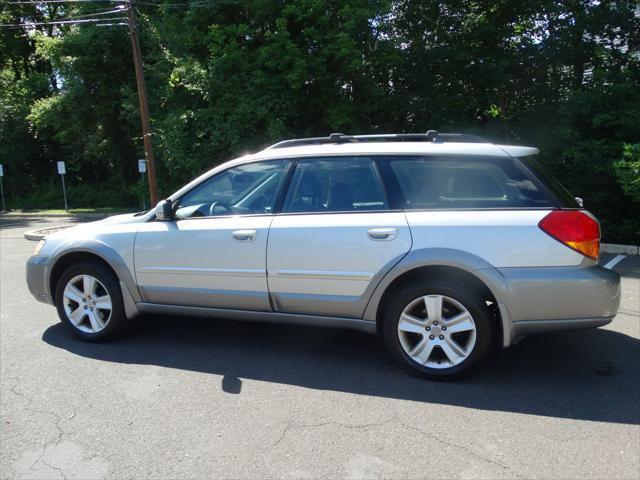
(231, 76)
(628, 171)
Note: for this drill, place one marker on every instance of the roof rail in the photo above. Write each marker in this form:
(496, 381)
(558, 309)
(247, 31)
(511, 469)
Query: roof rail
(430, 136)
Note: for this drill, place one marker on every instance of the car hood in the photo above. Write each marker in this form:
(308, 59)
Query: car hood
(124, 218)
(94, 229)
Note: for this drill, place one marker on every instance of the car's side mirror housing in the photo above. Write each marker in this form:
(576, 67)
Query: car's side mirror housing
(164, 210)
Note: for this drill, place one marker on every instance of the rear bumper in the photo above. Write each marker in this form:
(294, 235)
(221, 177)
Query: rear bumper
(37, 278)
(556, 298)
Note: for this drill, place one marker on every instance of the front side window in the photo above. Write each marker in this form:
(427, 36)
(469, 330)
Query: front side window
(341, 184)
(466, 182)
(243, 190)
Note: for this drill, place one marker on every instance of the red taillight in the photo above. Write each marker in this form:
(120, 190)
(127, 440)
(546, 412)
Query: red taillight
(575, 229)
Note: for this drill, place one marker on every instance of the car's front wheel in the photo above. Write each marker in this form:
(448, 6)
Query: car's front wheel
(89, 302)
(437, 328)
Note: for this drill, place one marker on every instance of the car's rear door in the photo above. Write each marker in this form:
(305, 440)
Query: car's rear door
(334, 239)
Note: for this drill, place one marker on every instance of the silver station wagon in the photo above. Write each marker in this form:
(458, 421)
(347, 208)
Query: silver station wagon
(444, 244)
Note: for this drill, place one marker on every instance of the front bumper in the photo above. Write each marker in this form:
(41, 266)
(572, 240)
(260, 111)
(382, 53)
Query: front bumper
(557, 298)
(37, 278)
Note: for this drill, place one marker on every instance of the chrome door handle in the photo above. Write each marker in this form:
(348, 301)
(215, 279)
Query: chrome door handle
(382, 233)
(245, 235)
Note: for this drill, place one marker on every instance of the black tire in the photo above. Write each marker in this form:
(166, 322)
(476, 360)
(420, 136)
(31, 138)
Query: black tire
(472, 300)
(117, 320)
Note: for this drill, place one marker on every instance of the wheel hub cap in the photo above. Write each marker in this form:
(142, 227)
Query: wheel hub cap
(437, 331)
(87, 303)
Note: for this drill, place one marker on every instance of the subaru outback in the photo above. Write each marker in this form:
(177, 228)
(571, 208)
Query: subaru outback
(443, 244)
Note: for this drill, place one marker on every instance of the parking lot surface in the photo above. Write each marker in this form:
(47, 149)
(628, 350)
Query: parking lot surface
(196, 398)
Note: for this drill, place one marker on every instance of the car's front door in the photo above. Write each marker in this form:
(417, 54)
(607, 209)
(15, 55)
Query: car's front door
(213, 253)
(334, 239)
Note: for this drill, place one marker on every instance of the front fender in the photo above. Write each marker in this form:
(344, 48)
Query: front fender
(102, 250)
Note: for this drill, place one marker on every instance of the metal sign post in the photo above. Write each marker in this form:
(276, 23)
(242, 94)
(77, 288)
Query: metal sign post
(142, 168)
(4, 208)
(61, 171)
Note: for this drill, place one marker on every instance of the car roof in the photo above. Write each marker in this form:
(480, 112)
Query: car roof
(369, 148)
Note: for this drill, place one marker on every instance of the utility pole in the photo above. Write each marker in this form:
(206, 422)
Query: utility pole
(144, 107)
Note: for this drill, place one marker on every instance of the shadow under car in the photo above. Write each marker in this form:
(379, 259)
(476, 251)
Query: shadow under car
(589, 374)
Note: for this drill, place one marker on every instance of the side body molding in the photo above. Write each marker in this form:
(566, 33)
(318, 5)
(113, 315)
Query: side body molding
(106, 253)
(447, 257)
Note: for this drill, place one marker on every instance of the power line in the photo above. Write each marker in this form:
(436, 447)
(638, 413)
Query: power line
(90, 15)
(193, 4)
(197, 3)
(72, 19)
(62, 22)
(107, 12)
(31, 2)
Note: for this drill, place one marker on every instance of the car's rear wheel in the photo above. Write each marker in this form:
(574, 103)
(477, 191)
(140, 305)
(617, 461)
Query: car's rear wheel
(437, 328)
(89, 302)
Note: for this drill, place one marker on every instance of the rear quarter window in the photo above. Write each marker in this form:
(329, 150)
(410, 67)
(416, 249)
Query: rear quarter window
(466, 182)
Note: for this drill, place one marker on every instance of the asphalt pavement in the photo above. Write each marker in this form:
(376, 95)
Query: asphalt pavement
(197, 398)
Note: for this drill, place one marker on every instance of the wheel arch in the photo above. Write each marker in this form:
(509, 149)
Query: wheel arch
(94, 252)
(68, 259)
(452, 264)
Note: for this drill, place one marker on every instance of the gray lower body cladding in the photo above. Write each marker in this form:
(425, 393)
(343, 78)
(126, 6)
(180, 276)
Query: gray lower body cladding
(556, 298)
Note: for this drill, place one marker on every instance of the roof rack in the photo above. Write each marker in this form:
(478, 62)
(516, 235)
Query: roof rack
(430, 136)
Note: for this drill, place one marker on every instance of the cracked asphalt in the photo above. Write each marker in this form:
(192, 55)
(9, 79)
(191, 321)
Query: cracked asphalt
(194, 398)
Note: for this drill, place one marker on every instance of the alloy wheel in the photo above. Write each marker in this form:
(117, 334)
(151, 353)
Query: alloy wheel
(87, 303)
(436, 331)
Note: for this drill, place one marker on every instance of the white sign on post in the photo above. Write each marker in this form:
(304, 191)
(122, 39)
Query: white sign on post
(61, 168)
(142, 166)
(1, 170)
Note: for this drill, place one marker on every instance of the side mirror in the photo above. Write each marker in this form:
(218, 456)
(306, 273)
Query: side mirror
(164, 210)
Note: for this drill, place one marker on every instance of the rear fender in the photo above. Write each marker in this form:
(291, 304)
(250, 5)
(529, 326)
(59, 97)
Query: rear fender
(446, 257)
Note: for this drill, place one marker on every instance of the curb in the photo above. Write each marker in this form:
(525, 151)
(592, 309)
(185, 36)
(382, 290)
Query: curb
(617, 248)
(41, 233)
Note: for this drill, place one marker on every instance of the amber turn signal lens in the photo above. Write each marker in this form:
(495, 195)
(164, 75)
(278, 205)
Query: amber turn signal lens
(590, 249)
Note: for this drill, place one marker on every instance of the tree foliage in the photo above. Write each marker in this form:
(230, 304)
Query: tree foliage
(229, 76)
(628, 170)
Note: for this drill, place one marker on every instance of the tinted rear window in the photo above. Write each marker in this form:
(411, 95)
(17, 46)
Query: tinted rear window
(467, 182)
(563, 195)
